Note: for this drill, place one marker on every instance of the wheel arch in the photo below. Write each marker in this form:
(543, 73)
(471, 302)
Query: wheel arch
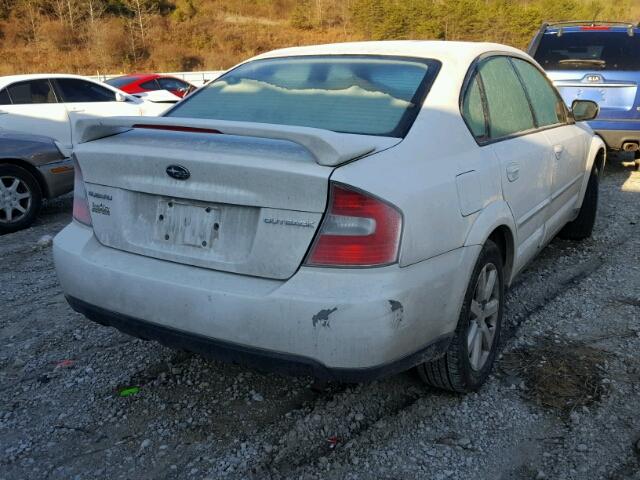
(596, 158)
(496, 223)
(600, 160)
(597, 155)
(32, 170)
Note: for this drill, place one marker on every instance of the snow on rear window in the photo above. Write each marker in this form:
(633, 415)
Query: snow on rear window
(362, 95)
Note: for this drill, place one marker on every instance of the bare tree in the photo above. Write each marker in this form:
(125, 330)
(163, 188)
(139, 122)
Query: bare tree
(68, 12)
(29, 16)
(95, 10)
(142, 12)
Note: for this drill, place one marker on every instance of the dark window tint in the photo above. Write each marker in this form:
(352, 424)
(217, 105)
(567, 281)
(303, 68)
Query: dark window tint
(4, 98)
(119, 82)
(32, 91)
(367, 95)
(75, 90)
(172, 84)
(546, 103)
(473, 109)
(507, 103)
(611, 50)
(150, 85)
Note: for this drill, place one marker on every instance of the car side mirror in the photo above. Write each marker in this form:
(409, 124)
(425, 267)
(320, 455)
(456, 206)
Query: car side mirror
(584, 110)
(121, 97)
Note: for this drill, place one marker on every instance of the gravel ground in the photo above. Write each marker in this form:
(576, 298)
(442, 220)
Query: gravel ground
(563, 402)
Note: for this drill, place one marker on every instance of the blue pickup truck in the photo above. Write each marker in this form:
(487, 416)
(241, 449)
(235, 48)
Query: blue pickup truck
(597, 61)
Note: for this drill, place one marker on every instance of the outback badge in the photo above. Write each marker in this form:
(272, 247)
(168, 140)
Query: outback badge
(178, 172)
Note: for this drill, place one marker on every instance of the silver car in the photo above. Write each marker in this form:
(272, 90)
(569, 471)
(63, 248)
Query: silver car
(31, 168)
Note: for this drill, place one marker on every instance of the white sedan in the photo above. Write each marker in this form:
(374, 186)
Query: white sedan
(346, 211)
(46, 104)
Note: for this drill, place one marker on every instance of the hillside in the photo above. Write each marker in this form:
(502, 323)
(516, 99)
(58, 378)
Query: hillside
(99, 36)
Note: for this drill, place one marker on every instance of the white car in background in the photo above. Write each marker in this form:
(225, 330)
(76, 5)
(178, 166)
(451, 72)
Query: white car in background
(47, 104)
(346, 211)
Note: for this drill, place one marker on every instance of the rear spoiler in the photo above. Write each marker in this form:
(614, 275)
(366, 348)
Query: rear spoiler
(327, 147)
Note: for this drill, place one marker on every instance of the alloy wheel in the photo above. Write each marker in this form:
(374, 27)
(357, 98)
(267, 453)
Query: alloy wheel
(483, 319)
(15, 199)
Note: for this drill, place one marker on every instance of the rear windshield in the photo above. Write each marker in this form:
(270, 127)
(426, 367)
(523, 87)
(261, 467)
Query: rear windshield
(118, 82)
(589, 51)
(352, 94)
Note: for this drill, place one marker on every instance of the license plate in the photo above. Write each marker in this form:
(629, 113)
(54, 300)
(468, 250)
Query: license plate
(181, 223)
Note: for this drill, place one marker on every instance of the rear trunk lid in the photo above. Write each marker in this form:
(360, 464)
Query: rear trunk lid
(250, 205)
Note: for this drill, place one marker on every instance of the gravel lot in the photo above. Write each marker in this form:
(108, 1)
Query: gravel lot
(563, 403)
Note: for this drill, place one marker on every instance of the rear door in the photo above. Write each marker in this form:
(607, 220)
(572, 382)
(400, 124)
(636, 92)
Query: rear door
(82, 97)
(523, 152)
(32, 107)
(566, 140)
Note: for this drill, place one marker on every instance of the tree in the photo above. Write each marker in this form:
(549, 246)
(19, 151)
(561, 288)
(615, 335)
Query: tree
(142, 11)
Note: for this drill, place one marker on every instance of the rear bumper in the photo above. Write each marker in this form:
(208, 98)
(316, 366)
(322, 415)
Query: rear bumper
(615, 132)
(215, 349)
(341, 324)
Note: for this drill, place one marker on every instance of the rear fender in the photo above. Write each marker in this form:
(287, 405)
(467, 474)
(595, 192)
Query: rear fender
(494, 216)
(597, 146)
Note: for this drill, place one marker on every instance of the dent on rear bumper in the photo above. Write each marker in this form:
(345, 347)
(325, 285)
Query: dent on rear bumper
(334, 319)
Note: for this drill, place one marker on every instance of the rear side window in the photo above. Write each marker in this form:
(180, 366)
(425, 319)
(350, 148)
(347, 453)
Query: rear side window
(545, 101)
(473, 109)
(4, 98)
(171, 84)
(150, 85)
(589, 50)
(31, 92)
(507, 103)
(74, 90)
(368, 95)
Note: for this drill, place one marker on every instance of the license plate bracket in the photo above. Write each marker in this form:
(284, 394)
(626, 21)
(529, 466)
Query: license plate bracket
(189, 224)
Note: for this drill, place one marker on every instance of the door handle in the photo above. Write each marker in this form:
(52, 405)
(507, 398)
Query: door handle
(558, 149)
(513, 172)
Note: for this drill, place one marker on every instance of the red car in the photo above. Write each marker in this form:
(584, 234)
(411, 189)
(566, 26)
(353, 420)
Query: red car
(143, 82)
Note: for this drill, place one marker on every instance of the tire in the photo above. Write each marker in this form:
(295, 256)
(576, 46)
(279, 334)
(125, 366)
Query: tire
(20, 198)
(460, 369)
(582, 226)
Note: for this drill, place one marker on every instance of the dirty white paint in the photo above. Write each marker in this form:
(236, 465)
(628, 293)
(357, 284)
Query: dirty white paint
(348, 318)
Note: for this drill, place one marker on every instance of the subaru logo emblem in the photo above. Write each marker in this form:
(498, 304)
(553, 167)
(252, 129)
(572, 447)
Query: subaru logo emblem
(178, 172)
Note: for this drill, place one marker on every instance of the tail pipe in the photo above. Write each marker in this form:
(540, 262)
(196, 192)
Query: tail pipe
(630, 146)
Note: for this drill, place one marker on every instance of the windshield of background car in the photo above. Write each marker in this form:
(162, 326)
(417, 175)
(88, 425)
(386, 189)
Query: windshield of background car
(589, 50)
(366, 95)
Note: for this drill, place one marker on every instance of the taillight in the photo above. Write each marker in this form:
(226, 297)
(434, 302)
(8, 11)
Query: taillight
(80, 203)
(358, 231)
